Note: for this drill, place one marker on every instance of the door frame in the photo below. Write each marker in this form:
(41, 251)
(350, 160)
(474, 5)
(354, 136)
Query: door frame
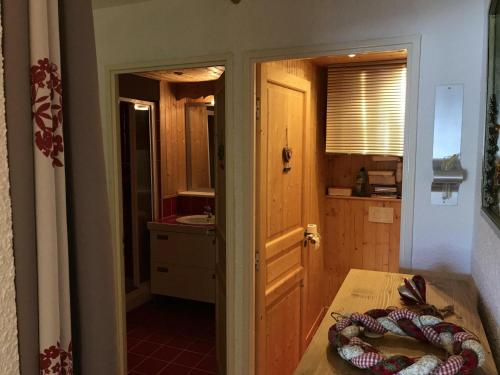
(251, 58)
(111, 142)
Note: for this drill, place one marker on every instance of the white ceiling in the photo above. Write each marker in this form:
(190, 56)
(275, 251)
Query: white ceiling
(96, 4)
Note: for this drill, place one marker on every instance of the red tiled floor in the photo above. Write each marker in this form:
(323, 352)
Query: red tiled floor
(133, 360)
(208, 364)
(202, 346)
(181, 342)
(144, 348)
(171, 337)
(188, 359)
(151, 366)
(174, 369)
(201, 372)
(166, 353)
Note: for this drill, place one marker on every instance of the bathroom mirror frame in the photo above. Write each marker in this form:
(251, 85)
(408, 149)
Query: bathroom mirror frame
(203, 190)
(491, 162)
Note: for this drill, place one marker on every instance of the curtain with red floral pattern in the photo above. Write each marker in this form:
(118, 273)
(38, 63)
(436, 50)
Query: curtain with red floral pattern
(50, 190)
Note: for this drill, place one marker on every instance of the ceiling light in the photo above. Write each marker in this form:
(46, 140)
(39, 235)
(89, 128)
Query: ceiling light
(141, 107)
(351, 55)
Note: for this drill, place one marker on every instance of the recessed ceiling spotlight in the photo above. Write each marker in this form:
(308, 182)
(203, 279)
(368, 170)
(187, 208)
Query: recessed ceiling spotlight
(351, 55)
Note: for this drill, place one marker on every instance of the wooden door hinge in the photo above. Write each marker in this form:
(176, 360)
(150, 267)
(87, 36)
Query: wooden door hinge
(257, 261)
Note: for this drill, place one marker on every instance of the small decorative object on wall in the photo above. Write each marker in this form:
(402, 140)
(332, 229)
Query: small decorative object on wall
(287, 156)
(491, 163)
(419, 320)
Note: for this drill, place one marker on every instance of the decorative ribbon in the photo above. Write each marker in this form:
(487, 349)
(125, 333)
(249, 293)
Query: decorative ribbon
(426, 325)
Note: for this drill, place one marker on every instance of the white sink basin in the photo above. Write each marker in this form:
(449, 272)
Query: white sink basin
(196, 220)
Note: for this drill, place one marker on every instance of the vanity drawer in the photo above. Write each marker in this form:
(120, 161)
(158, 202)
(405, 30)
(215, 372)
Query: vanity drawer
(187, 249)
(183, 282)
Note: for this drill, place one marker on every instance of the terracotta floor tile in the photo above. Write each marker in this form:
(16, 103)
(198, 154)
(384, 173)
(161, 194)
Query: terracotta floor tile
(174, 369)
(171, 336)
(188, 359)
(151, 366)
(144, 348)
(208, 363)
(133, 360)
(166, 353)
(201, 346)
(180, 342)
(201, 372)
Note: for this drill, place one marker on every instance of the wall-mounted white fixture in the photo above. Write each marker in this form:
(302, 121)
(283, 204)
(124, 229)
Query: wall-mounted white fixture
(141, 107)
(447, 170)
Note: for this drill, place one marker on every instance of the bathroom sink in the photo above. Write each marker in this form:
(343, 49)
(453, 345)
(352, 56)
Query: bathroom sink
(196, 220)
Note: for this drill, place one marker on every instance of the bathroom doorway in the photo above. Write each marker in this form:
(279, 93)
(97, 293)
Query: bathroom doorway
(172, 158)
(331, 146)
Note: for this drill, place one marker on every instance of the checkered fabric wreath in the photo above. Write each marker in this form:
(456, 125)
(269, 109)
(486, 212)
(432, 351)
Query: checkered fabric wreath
(420, 321)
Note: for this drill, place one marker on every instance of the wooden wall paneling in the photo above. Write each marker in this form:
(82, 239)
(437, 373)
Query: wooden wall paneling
(195, 90)
(168, 148)
(352, 241)
(357, 256)
(173, 140)
(342, 169)
(197, 150)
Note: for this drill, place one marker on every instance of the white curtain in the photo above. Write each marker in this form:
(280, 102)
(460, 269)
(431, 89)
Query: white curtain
(50, 190)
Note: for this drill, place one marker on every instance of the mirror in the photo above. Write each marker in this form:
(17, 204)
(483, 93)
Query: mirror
(200, 147)
(491, 164)
(448, 121)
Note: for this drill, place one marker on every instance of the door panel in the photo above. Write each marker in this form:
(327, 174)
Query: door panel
(282, 214)
(220, 225)
(283, 338)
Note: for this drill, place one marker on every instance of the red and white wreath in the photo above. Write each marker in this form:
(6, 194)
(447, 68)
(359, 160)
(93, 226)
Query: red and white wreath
(420, 321)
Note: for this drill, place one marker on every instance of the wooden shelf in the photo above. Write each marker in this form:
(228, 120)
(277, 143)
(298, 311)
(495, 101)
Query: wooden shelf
(379, 199)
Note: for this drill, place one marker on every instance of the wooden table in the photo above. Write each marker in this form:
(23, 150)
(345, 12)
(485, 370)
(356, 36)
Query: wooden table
(365, 290)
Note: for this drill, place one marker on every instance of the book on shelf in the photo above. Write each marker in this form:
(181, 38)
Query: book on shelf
(380, 173)
(384, 189)
(339, 192)
(381, 180)
(390, 196)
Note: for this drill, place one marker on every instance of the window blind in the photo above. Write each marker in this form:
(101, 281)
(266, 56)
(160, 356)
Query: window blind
(366, 109)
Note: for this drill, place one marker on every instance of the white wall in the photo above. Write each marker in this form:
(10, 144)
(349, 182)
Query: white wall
(486, 247)
(9, 355)
(451, 52)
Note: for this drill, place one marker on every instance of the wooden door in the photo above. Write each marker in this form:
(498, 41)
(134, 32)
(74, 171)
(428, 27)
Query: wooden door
(220, 226)
(282, 215)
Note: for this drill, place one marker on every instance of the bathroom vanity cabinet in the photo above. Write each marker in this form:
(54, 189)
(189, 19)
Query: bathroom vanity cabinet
(360, 233)
(183, 262)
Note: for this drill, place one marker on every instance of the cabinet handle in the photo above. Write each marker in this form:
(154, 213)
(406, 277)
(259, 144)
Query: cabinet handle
(162, 269)
(163, 237)
(213, 276)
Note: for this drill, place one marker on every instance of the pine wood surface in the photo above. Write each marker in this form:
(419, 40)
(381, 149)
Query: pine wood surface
(291, 301)
(364, 290)
(353, 241)
(173, 156)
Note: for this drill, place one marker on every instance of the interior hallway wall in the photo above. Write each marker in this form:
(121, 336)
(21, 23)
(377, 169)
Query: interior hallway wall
(451, 52)
(486, 246)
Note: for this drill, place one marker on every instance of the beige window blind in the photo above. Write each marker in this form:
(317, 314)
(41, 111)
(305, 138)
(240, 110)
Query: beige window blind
(366, 109)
